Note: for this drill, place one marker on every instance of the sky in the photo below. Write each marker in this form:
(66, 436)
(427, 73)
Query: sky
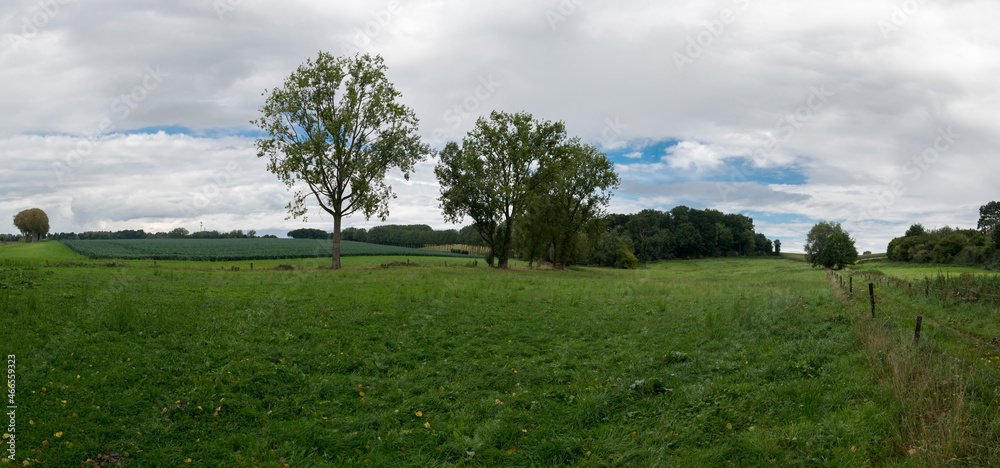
(876, 114)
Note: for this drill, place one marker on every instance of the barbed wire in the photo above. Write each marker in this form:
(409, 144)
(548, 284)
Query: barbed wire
(879, 307)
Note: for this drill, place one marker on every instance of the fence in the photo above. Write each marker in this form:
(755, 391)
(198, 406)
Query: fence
(876, 304)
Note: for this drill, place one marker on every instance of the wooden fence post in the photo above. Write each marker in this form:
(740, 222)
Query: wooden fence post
(852, 285)
(871, 293)
(916, 333)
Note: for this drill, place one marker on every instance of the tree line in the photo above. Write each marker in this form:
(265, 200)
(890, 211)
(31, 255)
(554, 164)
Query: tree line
(684, 233)
(951, 245)
(177, 233)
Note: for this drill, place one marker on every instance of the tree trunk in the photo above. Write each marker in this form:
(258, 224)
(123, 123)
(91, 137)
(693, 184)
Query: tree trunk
(336, 243)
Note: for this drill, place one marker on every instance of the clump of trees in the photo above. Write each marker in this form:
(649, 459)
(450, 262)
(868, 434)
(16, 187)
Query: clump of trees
(33, 224)
(828, 245)
(680, 233)
(944, 245)
(951, 245)
(517, 177)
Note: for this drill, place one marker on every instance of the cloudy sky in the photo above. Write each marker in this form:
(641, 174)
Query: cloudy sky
(875, 113)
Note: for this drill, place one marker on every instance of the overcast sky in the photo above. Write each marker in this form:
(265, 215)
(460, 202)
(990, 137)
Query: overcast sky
(874, 113)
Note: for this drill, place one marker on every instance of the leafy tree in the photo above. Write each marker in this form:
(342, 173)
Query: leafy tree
(614, 250)
(949, 246)
(915, 230)
(839, 251)
(777, 247)
(989, 216)
(337, 126)
(577, 188)
(828, 245)
(494, 174)
(178, 233)
(33, 224)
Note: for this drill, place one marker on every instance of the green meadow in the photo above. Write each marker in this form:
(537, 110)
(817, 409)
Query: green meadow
(400, 362)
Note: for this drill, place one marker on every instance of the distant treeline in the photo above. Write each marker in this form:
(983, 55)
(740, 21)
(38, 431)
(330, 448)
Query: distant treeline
(948, 245)
(944, 245)
(401, 235)
(178, 233)
(10, 238)
(685, 232)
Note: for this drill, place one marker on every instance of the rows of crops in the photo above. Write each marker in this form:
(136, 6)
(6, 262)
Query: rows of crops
(232, 249)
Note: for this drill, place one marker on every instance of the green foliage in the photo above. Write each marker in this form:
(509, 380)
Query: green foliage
(231, 249)
(33, 224)
(336, 126)
(916, 230)
(828, 245)
(410, 235)
(614, 250)
(496, 172)
(684, 232)
(989, 216)
(309, 234)
(569, 205)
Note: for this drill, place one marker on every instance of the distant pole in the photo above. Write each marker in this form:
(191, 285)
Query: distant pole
(916, 333)
(871, 293)
(852, 285)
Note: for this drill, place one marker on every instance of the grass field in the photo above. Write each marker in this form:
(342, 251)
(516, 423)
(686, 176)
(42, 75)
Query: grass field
(916, 271)
(233, 249)
(701, 363)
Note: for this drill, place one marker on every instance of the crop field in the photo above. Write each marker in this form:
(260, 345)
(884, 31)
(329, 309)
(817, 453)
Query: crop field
(233, 249)
(745, 362)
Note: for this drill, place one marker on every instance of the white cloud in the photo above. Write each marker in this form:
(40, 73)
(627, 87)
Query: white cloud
(749, 93)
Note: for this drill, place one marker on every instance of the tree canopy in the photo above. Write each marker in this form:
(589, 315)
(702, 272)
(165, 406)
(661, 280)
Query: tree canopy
(989, 216)
(496, 171)
(33, 224)
(336, 126)
(828, 245)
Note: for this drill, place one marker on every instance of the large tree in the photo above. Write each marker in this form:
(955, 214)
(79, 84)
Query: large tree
(336, 126)
(828, 245)
(496, 171)
(576, 189)
(33, 224)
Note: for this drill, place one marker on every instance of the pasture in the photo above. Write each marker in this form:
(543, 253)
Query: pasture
(689, 363)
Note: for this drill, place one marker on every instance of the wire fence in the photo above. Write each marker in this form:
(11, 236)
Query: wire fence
(877, 304)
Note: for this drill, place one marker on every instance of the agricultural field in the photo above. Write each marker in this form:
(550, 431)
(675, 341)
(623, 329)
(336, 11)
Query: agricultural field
(745, 362)
(233, 249)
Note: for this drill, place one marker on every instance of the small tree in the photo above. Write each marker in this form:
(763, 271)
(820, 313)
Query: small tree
(777, 247)
(337, 126)
(989, 216)
(828, 245)
(33, 224)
